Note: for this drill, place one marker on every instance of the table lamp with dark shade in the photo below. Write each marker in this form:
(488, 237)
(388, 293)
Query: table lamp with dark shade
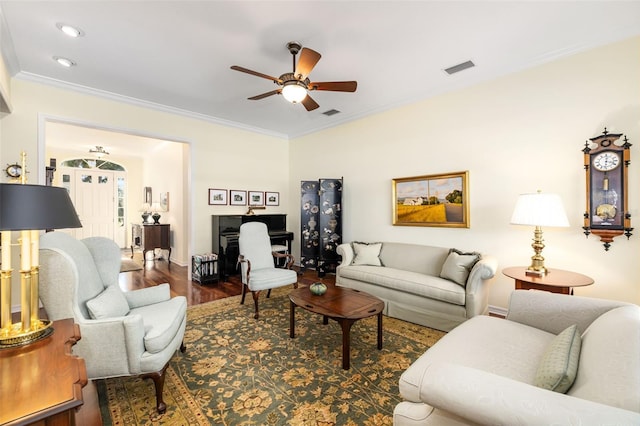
(28, 209)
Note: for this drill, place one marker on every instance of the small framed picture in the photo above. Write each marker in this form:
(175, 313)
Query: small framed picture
(272, 198)
(256, 198)
(238, 198)
(217, 197)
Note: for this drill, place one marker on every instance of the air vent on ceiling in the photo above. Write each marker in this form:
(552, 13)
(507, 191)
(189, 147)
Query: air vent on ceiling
(460, 67)
(331, 112)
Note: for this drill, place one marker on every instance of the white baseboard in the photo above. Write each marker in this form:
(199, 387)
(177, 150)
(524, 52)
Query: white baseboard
(497, 311)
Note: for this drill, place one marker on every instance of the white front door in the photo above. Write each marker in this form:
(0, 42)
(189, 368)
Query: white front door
(94, 202)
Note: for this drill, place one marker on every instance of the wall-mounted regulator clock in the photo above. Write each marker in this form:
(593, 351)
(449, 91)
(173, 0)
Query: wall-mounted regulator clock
(13, 170)
(606, 163)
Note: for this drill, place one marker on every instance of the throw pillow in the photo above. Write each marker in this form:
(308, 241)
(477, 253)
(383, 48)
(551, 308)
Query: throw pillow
(108, 304)
(559, 364)
(367, 254)
(457, 266)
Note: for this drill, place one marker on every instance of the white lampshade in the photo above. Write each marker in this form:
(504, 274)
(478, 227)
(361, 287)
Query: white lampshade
(155, 208)
(539, 209)
(294, 92)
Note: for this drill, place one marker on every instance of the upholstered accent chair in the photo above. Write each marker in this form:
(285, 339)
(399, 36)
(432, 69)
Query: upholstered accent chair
(122, 333)
(257, 263)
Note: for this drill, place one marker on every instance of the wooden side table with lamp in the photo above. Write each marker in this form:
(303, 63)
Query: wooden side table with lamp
(541, 209)
(554, 281)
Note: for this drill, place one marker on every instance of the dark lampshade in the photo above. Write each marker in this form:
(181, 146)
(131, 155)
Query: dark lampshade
(33, 207)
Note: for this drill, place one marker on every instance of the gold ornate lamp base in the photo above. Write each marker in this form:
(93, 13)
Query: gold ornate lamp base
(15, 336)
(537, 267)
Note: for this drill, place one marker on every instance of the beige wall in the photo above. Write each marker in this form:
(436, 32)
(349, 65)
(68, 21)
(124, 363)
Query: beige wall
(219, 157)
(517, 134)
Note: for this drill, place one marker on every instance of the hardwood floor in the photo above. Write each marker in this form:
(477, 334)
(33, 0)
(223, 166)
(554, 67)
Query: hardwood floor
(159, 271)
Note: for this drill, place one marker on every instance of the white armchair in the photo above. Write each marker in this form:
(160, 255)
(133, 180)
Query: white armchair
(256, 263)
(122, 333)
(485, 370)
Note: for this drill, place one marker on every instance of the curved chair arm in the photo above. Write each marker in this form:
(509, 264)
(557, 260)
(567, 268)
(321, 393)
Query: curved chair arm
(245, 268)
(111, 346)
(148, 296)
(290, 259)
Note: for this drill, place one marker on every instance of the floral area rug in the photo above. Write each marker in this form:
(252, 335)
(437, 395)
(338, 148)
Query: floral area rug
(242, 371)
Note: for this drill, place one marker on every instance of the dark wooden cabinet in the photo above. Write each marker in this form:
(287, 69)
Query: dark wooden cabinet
(151, 237)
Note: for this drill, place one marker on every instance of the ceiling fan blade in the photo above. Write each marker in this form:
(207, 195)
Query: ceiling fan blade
(264, 95)
(335, 86)
(256, 73)
(308, 59)
(309, 103)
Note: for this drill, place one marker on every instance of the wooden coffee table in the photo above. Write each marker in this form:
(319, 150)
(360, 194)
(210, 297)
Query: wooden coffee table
(344, 305)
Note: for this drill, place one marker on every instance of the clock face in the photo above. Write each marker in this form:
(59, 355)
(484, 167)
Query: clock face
(14, 170)
(606, 161)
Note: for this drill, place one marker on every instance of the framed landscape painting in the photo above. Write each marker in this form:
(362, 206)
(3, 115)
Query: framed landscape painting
(432, 200)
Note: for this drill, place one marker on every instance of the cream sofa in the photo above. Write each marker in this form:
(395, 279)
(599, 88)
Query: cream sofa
(411, 286)
(484, 371)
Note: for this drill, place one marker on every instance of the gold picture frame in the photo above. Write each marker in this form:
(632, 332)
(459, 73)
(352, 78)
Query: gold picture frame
(440, 200)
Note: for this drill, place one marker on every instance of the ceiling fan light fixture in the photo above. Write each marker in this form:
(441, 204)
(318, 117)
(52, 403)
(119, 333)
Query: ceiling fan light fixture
(294, 91)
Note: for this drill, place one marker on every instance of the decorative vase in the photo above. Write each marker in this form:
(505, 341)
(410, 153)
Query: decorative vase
(318, 289)
(145, 217)
(156, 218)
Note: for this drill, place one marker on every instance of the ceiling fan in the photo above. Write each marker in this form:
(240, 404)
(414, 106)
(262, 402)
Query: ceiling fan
(294, 86)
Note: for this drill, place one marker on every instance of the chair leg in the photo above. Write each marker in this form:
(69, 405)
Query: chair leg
(158, 381)
(256, 294)
(183, 347)
(244, 291)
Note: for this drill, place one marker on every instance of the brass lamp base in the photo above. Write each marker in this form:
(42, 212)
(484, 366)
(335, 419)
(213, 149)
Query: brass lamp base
(536, 272)
(15, 336)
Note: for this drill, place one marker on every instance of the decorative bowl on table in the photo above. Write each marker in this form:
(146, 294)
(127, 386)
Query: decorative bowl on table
(318, 289)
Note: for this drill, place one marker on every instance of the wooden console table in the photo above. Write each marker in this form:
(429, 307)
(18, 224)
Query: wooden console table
(42, 382)
(150, 237)
(555, 281)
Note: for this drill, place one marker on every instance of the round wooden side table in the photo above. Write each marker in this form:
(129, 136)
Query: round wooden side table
(555, 281)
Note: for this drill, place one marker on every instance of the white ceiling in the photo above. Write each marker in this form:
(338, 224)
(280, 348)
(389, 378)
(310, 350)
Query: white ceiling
(175, 55)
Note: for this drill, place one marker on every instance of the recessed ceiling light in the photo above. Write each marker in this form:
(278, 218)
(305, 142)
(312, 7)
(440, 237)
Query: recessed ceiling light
(70, 30)
(65, 62)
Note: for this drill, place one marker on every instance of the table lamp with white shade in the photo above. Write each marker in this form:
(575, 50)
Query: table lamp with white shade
(539, 209)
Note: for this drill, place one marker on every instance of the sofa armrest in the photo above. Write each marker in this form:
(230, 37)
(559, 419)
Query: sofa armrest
(488, 398)
(484, 269)
(553, 312)
(148, 296)
(346, 251)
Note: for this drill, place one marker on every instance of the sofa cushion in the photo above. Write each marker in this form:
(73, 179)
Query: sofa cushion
(609, 370)
(499, 346)
(161, 322)
(457, 266)
(559, 364)
(108, 304)
(367, 254)
(407, 282)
